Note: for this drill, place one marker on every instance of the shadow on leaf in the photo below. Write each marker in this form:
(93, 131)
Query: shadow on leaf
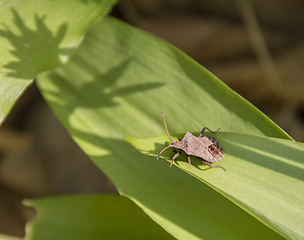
(101, 90)
(31, 46)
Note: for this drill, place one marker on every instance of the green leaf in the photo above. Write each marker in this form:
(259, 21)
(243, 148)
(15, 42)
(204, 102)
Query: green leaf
(115, 86)
(36, 37)
(265, 176)
(91, 217)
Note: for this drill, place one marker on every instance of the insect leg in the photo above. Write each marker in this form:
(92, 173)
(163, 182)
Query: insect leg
(175, 156)
(163, 150)
(203, 131)
(189, 161)
(166, 127)
(208, 163)
(177, 153)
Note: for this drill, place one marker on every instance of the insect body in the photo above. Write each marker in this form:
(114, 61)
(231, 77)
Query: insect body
(207, 149)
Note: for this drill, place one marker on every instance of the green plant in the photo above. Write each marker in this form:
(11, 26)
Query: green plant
(110, 95)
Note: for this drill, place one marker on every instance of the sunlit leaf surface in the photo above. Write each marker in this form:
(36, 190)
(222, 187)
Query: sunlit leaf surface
(37, 36)
(265, 176)
(115, 86)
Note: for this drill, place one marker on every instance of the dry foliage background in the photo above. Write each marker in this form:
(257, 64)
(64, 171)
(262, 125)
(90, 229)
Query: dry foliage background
(257, 49)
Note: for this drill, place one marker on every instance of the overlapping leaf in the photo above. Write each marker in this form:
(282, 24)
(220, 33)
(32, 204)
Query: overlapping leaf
(36, 37)
(91, 217)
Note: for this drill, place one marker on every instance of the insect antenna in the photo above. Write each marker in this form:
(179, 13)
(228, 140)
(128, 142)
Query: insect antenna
(163, 150)
(166, 129)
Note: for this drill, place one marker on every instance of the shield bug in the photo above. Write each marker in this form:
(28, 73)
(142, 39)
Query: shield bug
(207, 149)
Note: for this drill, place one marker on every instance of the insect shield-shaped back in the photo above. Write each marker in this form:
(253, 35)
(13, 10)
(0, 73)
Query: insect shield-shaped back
(207, 149)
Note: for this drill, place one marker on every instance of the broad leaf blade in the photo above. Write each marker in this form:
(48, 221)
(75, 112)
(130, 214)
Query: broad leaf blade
(39, 37)
(116, 85)
(91, 217)
(265, 176)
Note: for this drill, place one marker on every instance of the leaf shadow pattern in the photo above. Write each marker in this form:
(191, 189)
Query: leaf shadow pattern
(101, 90)
(31, 46)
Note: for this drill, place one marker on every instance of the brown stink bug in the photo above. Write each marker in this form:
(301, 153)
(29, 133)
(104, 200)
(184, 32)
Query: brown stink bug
(207, 149)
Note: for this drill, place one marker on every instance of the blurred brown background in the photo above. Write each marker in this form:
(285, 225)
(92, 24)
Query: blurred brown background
(256, 47)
